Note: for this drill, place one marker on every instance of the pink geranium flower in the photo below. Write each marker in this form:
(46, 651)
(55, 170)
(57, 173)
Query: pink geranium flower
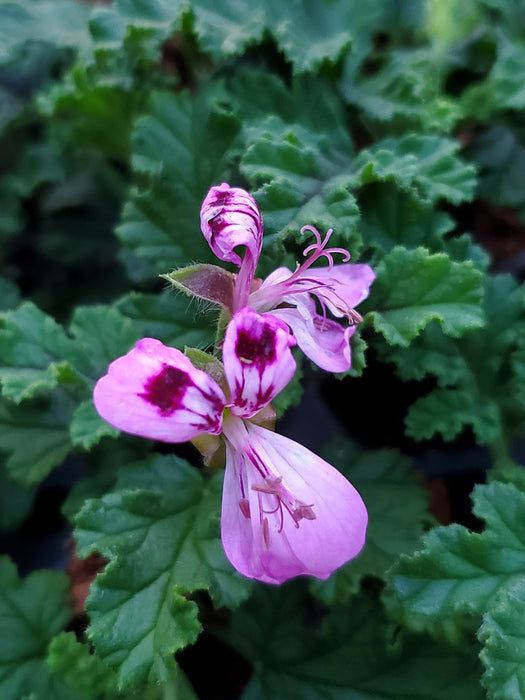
(230, 218)
(285, 511)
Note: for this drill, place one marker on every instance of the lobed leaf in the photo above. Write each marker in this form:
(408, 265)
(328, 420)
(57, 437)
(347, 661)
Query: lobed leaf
(414, 287)
(140, 615)
(428, 166)
(458, 575)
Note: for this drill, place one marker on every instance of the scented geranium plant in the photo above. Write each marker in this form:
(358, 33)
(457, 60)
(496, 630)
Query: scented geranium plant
(271, 483)
(262, 350)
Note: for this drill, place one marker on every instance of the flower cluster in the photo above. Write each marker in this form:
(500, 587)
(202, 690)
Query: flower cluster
(289, 295)
(285, 511)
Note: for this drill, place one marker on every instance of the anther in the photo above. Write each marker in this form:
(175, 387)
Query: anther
(303, 511)
(244, 505)
(265, 532)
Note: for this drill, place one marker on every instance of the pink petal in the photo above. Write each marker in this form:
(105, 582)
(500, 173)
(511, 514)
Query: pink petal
(230, 217)
(341, 288)
(258, 362)
(322, 340)
(155, 392)
(285, 511)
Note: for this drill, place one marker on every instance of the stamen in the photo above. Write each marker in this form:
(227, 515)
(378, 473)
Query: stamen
(353, 316)
(265, 532)
(244, 505)
(303, 511)
(271, 485)
(318, 248)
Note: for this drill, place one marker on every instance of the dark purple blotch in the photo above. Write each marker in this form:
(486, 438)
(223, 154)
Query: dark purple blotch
(255, 348)
(166, 389)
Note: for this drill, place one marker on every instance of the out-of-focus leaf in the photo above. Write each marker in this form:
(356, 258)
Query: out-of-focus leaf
(32, 611)
(181, 148)
(350, 656)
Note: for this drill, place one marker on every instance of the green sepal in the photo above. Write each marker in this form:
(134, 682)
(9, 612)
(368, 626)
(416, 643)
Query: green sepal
(207, 363)
(208, 282)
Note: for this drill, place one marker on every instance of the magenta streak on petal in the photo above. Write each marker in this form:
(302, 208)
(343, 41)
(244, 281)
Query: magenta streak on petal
(259, 349)
(269, 486)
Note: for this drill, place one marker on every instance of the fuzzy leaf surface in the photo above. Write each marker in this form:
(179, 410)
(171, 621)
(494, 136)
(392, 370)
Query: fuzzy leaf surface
(35, 435)
(428, 166)
(479, 389)
(414, 287)
(503, 653)
(169, 317)
(303, 178)
(140, 615)
(458, 575)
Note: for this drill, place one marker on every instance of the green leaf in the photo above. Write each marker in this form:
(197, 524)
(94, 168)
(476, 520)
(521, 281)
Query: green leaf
(181, 148)
(405, 86)
(103, 334)
(168, 317)
(87, 428)
(311, 34)
(351, 656)
(391, 217)
(503, 88)
(503, 654)
(458, 575)
(448, 411)
(79, 669)
(33, 348)
(499, 154)
(414, 288)
(482, 390)
(307, 99)
(62, 23)
(140, 614)
(428, 166)
(397, 513)
(32, 611)
(304, 180)
(36, 353)
(35, 435)
(83, 671)
(16, 501)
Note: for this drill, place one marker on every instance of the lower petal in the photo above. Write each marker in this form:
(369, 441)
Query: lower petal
(316, 524)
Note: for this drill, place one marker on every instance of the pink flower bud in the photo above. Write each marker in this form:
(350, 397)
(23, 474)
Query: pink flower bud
(230, 218)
